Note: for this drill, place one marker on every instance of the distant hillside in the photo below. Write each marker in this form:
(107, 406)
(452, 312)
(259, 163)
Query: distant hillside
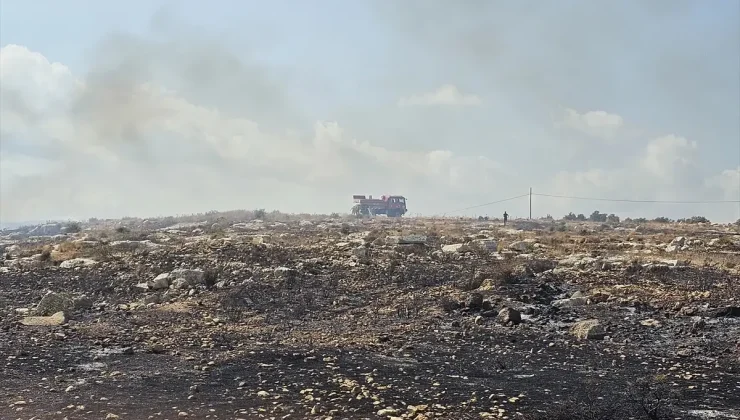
(15, 225)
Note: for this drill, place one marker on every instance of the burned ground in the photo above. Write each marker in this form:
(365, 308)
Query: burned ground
(347, 320)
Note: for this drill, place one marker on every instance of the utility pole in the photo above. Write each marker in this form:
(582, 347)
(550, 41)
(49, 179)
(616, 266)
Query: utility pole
(530, 203)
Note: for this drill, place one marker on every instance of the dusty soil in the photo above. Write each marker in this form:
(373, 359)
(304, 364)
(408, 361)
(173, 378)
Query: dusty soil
(334, 319)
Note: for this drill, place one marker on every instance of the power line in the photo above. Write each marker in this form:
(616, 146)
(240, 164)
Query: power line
(530, 194)
(637, 201)
(487, 204)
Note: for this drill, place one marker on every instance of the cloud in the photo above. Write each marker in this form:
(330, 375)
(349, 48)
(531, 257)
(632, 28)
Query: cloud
(446, 95)
(728, 181)
(665, 169)
(670, 158)
(593, 123)
(117, 142)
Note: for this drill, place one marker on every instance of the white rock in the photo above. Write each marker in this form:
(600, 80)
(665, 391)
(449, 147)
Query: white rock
(78, 262)
(45, 321)
(570, 302)
(160, 282)
(454, 248)
(521, 246)
(486, 244)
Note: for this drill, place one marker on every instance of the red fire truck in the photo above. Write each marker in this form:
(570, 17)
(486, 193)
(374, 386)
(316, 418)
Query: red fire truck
(390, 205)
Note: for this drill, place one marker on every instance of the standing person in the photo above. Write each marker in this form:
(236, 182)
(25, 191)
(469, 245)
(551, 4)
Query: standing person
(506, 217)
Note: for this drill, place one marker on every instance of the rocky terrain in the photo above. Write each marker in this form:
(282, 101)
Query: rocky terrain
(335, 318)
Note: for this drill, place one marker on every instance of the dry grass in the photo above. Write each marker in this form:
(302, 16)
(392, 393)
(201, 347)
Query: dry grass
(67, 251)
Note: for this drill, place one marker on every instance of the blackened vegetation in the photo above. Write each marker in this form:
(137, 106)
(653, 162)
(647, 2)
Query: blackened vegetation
(647, 398)
(286, 295)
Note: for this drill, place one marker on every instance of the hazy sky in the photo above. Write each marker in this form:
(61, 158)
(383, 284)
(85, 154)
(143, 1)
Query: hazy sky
(146, 108)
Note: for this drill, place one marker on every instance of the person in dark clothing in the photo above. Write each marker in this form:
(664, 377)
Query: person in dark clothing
(506, 217)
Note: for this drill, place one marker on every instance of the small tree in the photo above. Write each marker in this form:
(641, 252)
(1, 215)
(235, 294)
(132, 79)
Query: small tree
(260, 214)
(73, 227)
(612, 218)
(597, 217)
(581, 217)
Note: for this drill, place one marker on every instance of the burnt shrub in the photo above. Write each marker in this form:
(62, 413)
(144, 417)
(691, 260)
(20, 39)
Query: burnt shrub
(652, 398)
(448, 304)
(648, 398)
(210, 277)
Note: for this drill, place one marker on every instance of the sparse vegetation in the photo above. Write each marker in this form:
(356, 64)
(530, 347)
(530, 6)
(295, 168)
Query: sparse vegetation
(73, 227)
(572, 217)
(597, 217)
(694, 220)
(260, 214)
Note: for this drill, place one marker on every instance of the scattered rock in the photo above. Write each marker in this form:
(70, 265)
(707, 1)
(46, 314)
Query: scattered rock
(598, 298)
(488, 245)
(61, 302)
(193, 276)
(521, 246)
(474, 301)
(388, 411)
(540, 266)
(588, 330)
(160, 282)
(679, 241)
(650, 323)
(570, 302)
(406, 240)
(78, 263)
(180, 283)
(455, 248)
(45, 321)
(508, 316)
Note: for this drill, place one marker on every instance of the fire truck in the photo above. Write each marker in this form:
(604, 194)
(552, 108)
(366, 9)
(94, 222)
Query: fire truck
(390, 205)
